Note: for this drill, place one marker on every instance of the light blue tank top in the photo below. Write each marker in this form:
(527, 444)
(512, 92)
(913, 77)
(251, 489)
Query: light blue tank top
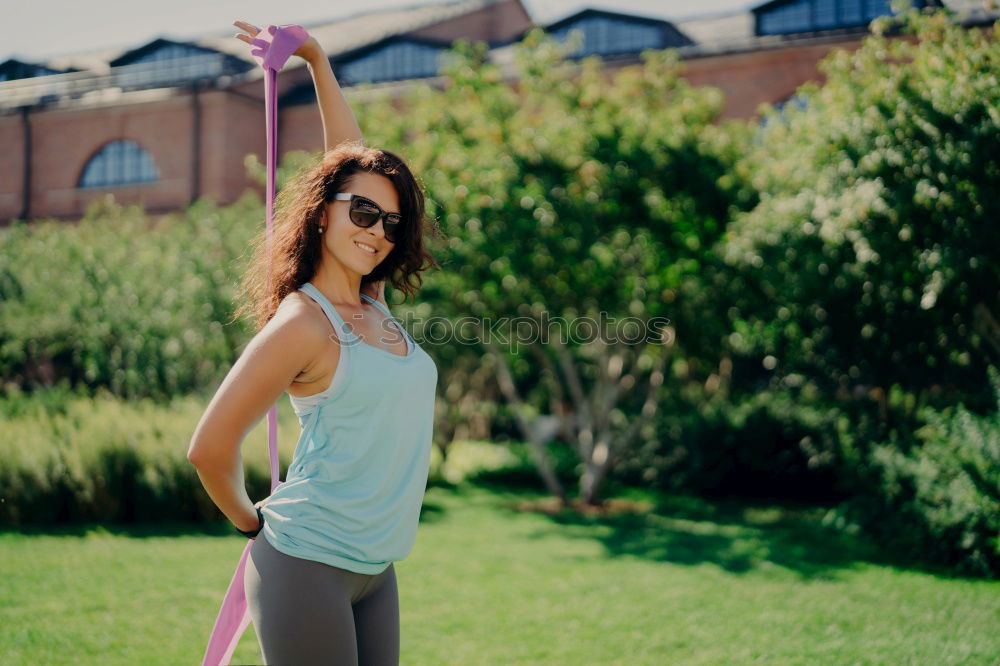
(356, 481)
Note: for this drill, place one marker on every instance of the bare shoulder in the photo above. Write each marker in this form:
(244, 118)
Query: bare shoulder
(300, 320)
(308, 333)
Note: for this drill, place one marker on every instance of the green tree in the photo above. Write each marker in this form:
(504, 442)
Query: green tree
(873, 256)
(569, 194)
(872, 274)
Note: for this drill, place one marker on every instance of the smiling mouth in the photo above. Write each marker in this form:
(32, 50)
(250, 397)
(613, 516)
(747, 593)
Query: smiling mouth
(364, 247)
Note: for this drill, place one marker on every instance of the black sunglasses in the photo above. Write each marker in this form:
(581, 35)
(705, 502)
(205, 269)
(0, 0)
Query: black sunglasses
(365, 213)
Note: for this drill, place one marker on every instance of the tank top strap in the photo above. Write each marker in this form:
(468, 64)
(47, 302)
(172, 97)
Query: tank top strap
(377, 304)
(410, 342)
(343, 330)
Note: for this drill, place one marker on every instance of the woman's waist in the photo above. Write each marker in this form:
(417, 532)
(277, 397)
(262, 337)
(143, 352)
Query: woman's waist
(304, 506)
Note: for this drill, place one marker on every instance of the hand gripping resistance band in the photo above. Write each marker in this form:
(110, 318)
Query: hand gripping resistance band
(274, 45)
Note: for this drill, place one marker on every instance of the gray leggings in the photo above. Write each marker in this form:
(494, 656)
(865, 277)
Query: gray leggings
(307, 612)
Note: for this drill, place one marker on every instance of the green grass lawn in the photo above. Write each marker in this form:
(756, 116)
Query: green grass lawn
(691, 582)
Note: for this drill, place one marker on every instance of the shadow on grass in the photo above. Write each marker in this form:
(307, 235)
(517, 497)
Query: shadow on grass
(739, 535)
(429, 512)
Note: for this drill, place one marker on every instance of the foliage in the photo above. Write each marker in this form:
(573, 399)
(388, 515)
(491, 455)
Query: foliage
(831, 282)
(869, 277)
(872, 260)
(70, 458)
(120, 302)
(573, 194)
(766, 445)
(940, 500)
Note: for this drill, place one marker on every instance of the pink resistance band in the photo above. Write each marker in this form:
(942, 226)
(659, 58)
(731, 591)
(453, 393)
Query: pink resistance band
(274, 45)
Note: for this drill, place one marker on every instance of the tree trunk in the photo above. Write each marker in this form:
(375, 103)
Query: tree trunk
(543, 464)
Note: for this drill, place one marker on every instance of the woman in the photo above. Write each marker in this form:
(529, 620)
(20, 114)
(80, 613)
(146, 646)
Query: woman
(320, 585)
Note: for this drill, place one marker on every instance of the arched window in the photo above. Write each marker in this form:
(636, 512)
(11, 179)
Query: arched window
(121, 162)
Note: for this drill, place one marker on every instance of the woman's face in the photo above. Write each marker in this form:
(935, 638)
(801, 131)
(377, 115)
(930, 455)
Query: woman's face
(345, 240)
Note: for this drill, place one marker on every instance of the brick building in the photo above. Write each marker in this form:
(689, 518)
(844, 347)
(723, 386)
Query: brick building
(168, 122)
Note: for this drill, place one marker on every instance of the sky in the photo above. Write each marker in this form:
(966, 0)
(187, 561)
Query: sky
(36, 31)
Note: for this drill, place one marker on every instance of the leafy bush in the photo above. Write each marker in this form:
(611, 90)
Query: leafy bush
(466, 459)
(862, 301)
(767, 445)
(119, 302)
(940, 499)
(873, 259)
(76, 458)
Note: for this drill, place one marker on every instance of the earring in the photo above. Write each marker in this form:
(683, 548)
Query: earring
(321, 229)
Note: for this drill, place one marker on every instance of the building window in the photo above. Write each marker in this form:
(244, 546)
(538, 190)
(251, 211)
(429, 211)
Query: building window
(393, 62)
(167, 65)
(604, 36)
(852, 12)
(815, 15)
(119, 163)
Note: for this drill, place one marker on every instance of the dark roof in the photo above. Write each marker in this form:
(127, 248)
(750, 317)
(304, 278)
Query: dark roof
(12, 69)
(135, 54)
(672, 36)
(772, 4)
(604, 13)
(346, 56)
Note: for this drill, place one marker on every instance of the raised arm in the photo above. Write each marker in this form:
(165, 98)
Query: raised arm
(339, 124)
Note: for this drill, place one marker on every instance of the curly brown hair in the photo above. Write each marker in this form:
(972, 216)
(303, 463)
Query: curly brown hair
(296, 244)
